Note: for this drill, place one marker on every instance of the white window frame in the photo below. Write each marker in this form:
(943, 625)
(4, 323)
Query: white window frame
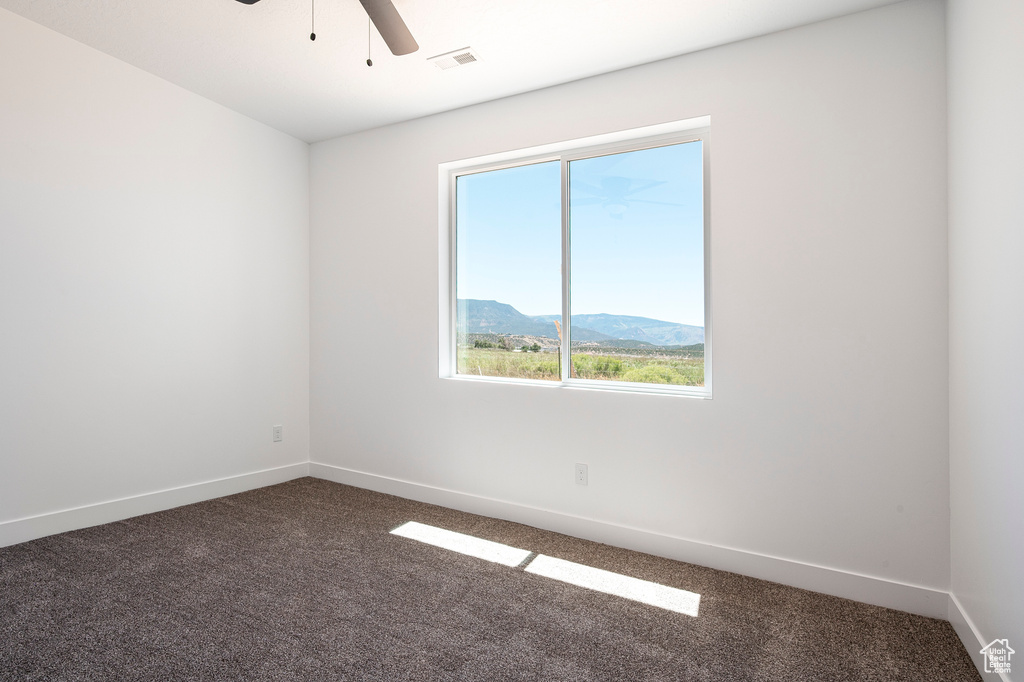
(676, 132)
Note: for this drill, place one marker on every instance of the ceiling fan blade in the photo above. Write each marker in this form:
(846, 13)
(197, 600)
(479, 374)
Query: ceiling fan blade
(390, 26)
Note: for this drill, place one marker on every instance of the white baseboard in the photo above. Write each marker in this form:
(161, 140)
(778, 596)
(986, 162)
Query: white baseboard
(911, 598)
(878, 591)
(969, 635)
(33, 527)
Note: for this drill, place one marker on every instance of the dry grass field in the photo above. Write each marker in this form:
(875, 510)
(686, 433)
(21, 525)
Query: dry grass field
(683, 369)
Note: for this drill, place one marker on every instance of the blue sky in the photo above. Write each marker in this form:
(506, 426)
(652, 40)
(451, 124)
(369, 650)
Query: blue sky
(636, 226)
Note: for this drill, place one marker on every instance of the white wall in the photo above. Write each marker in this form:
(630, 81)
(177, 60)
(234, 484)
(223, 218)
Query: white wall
(153, 283)
(826, 441)
(986, 244)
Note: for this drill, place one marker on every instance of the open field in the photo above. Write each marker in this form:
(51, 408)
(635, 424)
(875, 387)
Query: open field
(676, 366)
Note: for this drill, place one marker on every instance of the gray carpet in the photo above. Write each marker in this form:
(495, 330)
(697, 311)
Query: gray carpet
(302, 581)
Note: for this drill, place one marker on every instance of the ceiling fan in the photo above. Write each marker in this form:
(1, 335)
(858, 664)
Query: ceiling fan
(388, 22)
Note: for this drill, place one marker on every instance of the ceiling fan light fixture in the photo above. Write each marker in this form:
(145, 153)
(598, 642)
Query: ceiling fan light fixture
(390, 25)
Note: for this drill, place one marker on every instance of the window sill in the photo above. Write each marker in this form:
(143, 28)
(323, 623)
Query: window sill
(594, 385)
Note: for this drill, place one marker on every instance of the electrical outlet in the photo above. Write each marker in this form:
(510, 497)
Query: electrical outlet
(581, 474)
(278, 433)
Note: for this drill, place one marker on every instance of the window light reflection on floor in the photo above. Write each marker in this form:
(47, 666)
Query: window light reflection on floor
(644, 591)
(669, 598)
(463, 544)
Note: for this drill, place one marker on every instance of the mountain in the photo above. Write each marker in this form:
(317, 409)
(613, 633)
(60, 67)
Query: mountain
(657, 332)
(492, 317)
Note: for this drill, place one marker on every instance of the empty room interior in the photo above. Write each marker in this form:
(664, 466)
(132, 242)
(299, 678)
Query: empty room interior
(342, 340)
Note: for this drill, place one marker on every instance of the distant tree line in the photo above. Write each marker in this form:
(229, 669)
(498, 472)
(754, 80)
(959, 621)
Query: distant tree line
(506, 344)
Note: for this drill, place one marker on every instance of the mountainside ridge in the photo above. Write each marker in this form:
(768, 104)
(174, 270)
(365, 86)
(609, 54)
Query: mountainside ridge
(493, 317)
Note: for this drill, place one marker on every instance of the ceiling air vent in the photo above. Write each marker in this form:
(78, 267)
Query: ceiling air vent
(449, 60)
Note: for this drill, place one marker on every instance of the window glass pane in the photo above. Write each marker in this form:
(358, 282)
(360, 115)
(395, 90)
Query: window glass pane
(636, 222)
(508, 272)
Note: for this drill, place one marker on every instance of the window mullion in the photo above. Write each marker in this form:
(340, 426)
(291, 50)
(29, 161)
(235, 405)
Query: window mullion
(566, 359)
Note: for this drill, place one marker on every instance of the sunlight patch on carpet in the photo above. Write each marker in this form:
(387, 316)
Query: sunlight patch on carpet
(463, 544)
(669, 598)
(618, 585)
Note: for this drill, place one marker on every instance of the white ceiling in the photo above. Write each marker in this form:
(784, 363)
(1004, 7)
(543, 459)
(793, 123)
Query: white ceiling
(258, 59)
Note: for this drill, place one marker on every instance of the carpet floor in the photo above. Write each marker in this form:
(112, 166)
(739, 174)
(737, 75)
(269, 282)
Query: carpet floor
(304, 581)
